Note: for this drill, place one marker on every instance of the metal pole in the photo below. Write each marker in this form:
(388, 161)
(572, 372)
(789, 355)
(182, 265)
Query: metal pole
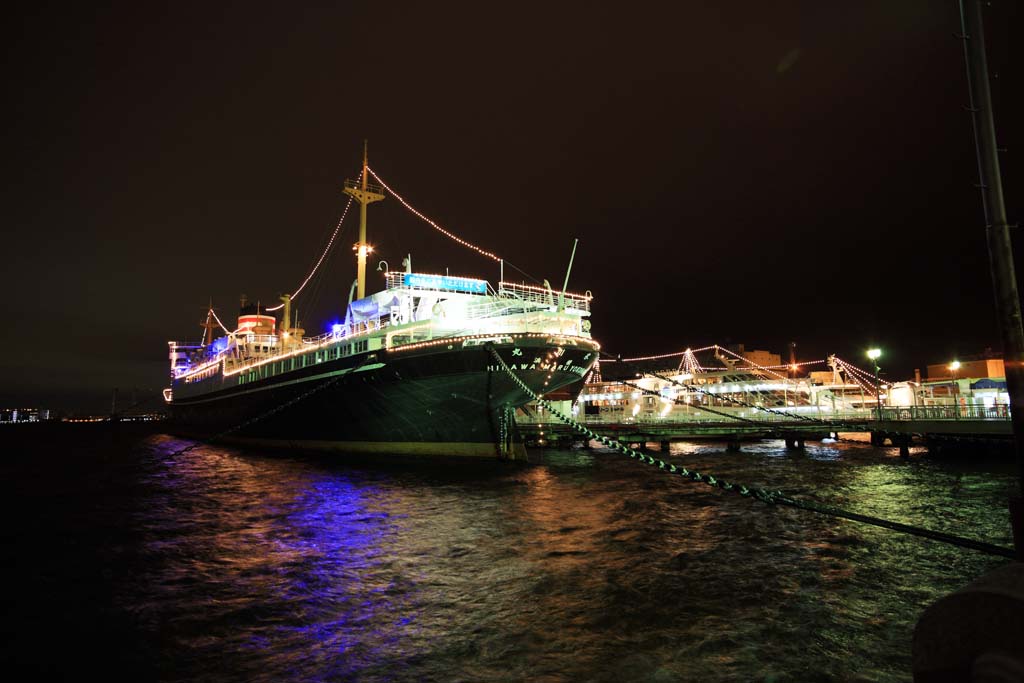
(561, 297)
(956, 395)
(361, 249)
(1000, 251)
(878, 392)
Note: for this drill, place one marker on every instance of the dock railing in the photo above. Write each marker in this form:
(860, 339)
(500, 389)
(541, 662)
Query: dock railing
(964, 412)
(743, 418)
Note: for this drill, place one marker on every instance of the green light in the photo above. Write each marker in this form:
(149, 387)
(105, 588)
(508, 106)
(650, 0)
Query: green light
(874, 354)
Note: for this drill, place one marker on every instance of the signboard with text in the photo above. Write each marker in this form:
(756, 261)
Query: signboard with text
(445, 282)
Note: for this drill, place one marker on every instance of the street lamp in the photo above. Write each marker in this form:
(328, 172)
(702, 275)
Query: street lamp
(954, 367)
(874, 355)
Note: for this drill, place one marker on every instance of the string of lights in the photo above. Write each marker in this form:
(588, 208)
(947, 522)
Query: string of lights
(658, 357)
(326, 251)
(214, 314)
(853, 369)
(866, 388)
(859, 377)
(431, 223)
(749, 362)
(689, 363)
(785, 366)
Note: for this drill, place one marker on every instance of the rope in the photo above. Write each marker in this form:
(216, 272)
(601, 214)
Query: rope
(764, 495)
(326, 251)
(482, 252)
(446, 233)
(214, 315)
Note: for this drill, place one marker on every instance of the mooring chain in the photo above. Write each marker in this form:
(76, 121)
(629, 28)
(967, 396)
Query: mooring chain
(764, 495)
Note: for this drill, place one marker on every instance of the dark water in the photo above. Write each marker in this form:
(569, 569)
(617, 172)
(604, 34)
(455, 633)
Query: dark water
(221, 564)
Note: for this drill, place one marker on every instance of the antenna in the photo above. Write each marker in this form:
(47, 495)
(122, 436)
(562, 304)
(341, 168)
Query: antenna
(561, 297)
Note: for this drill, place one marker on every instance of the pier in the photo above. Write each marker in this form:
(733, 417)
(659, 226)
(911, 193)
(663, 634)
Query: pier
(936, 426)
(899, 427)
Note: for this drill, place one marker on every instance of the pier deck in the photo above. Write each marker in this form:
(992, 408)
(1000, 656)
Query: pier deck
(900, 426)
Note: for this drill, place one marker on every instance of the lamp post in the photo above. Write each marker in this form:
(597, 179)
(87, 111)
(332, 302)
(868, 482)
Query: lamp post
(874, 355)
(954, 367)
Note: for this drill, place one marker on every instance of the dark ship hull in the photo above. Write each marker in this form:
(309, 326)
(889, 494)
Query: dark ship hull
(433, 399)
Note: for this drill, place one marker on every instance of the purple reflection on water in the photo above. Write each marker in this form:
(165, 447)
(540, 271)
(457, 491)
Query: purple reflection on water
(282, 557)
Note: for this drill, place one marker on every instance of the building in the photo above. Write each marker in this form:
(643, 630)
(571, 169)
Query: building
(990, 368)
(11, 415)
(765, 359)
(976, 384)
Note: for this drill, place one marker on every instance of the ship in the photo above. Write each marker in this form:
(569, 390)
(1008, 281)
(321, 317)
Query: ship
(413, 370)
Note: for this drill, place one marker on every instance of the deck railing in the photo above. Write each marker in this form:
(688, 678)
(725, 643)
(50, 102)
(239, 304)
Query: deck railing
(540, 295)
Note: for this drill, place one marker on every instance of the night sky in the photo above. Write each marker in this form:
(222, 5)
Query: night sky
(741, 172)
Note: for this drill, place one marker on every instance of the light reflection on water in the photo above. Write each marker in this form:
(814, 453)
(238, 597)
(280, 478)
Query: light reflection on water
(585, 566)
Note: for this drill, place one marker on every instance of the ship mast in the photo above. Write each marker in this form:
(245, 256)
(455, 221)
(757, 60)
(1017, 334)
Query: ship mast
(208, 325)
(365, 194)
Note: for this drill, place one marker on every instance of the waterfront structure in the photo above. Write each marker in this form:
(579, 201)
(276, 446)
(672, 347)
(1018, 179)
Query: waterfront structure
(758, 356)
(979, 368)
(727, 385)
(17, 415)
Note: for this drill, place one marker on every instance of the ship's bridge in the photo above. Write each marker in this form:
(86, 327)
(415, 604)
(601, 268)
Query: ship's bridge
(453, 304)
